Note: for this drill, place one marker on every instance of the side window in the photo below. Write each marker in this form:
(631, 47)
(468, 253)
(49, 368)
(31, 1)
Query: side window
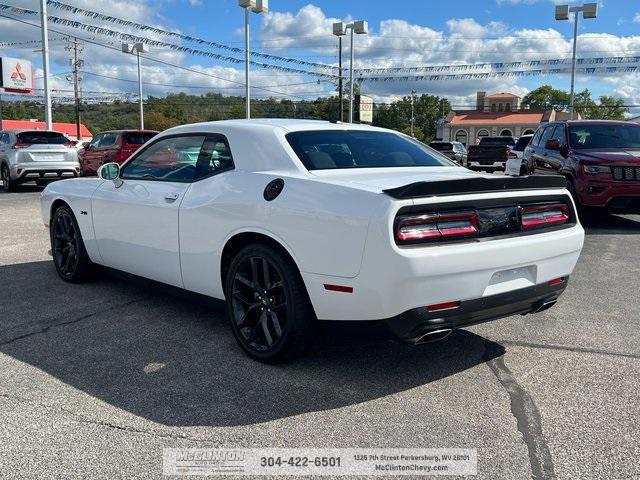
(558, 134)
(96, 141)
(171, 159)
(536, 137)
(215, 157)
(4, 139)
(108, 140)
(546, 135)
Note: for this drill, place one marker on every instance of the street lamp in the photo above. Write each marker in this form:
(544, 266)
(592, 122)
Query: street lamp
(137, 48)
(340, 30)
(589, 10)
(361, 28)
(258, 6)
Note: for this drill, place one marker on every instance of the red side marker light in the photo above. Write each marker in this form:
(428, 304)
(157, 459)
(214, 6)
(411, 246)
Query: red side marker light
(556, 281)
(437, 307)
(338, 288)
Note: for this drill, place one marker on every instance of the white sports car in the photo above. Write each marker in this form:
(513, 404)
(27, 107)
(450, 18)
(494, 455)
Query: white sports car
(296, 221)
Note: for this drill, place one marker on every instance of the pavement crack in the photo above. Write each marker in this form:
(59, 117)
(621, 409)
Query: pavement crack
(80, 418)
(567, 348)
(69, 322)
(527, 415)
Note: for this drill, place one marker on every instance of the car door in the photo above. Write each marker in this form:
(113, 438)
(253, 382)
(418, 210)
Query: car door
(540, 164)
(136, 221)
(88, 156)
(554, 159)
(107, 150)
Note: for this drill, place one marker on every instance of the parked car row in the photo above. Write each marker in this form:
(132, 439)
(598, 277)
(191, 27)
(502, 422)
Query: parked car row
(42, 156)
(599, 159)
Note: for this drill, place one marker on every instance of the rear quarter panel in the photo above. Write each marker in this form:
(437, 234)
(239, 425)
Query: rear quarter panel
(323, 226)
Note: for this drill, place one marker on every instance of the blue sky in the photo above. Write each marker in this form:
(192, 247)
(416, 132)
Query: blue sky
(402, 33)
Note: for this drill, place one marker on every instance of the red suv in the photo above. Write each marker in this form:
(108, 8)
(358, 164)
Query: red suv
(113, 146)
(599, 158)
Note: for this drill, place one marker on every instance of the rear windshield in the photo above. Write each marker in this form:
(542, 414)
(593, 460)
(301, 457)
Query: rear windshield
(604, 136)
(522, 143)
(42, 138)
(441, 146)
(488, 141)
(137, 138)
(330, 149)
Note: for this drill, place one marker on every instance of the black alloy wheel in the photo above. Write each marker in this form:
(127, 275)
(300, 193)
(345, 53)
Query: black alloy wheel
(69, 255)
(268, 306)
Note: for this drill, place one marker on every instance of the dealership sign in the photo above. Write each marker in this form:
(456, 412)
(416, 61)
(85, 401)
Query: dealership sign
(365, 109)
(16, 75)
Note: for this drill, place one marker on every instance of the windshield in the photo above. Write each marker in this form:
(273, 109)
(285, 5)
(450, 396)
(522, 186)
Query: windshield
(488, 141)
(522, 143)
(604, 136)
(331, 149)
(42, 138)
(137, 138)
(441, 146)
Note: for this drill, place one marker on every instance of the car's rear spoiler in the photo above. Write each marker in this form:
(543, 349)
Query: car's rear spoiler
(476, 185)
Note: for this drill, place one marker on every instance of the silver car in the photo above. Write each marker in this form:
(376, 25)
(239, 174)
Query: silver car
(35, 156)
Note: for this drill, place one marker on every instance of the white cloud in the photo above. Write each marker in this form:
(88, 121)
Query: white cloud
(636, 18)
(195, 3)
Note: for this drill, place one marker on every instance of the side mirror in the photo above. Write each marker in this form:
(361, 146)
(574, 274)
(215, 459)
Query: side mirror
(110, 171)
(564, 151)
(552, 145)
(86, 145)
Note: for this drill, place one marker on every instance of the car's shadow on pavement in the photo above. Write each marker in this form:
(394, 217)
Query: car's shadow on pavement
(606, 224)
(170, 357)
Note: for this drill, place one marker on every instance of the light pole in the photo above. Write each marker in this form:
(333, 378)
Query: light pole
(340, 30)
(138, 48)
(45, 63)
(361, 28)
(258, 6)
(589, 10)
(413, 94)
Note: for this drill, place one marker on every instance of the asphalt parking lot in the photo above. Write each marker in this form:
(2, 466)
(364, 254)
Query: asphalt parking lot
(96, 379)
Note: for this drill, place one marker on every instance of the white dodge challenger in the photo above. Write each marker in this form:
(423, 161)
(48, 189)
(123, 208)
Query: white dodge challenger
(295, 221)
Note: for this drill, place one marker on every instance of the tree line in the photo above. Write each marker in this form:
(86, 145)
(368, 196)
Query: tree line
(180, 108)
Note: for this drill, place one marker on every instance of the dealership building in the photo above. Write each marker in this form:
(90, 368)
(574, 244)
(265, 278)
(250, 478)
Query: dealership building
(499, 114)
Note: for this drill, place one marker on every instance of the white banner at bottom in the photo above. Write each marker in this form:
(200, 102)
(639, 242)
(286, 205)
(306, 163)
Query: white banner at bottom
(319, 461)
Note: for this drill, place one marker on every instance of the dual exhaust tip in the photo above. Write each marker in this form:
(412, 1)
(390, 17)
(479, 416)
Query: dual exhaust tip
(432, 336)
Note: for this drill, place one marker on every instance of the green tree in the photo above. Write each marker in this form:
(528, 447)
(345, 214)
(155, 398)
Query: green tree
(546, 98)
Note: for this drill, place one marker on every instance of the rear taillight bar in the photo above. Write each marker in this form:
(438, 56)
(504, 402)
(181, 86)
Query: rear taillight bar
(21, 145)
(537, 216)
(436, 226)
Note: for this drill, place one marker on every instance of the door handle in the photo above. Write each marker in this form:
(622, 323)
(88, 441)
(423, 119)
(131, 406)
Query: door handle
(171, 196)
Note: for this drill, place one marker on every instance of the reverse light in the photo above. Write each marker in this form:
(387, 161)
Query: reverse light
(543, 215)
(437, 226)
(595, 169)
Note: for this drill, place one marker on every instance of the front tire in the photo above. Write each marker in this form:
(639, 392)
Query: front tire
(8, 185)
(268, 306)
(67, 247)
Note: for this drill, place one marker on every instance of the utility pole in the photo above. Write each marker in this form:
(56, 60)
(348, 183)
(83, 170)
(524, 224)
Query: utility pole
(76, 64)
(413, 94)
(45, 63)
(340, 93)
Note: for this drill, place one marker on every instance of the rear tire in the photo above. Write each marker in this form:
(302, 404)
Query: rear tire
(8, 185)
(70, 257)
(267, 303)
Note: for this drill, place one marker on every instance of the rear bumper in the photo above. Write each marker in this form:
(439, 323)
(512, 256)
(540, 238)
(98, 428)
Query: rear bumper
(413, 324)
(479, 165)
(32, 171)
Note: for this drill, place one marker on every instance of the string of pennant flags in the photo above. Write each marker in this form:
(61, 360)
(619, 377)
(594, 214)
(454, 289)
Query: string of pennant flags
(158, 43)
(478, 71)
(502, 65)
(188, 38)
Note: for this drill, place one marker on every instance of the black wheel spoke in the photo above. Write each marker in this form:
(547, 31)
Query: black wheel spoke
(259, 303)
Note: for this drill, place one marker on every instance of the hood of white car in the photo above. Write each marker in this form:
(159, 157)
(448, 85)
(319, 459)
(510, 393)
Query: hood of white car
(384, 178)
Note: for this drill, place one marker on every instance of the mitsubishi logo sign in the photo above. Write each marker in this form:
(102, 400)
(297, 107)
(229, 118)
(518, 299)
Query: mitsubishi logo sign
(16, 75)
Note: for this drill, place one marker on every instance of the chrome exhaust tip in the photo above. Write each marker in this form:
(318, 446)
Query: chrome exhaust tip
(544, 306)
(433, 336)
